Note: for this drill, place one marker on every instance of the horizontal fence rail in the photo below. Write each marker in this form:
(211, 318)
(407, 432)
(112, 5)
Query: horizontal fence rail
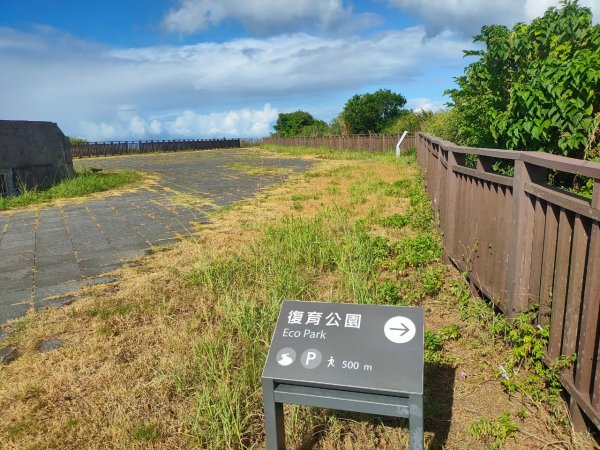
(89, 149)
(522, 243)
(357, 142)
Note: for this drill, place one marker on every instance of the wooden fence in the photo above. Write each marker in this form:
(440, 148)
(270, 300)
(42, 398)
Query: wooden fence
(523, 243)
(88, 149)
(367, 142)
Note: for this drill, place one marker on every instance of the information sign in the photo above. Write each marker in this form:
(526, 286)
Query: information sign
(366, 358)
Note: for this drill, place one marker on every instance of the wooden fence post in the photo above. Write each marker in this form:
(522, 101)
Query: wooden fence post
(451, 188)
(589, 328)
(519, 262)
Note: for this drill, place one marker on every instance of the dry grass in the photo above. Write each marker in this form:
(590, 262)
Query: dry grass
(133, 371)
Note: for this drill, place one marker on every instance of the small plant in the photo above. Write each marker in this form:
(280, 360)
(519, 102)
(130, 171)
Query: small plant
(388, 292)
(417, 251)
(450, 332)
(394, 221)
(527, 342)
(144, 433)
(432, 279)
(493, 432)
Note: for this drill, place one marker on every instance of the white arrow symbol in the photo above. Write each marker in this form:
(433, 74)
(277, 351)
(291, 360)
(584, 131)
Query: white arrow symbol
(399, 329)
(404, 329)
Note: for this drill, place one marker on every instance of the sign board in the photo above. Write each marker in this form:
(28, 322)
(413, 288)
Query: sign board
(368, 348)
(363, 358)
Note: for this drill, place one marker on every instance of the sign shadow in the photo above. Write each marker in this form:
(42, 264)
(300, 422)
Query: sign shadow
(437, 406)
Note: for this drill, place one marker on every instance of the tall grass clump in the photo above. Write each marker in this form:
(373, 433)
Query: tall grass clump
(332, 256)
(84, 182)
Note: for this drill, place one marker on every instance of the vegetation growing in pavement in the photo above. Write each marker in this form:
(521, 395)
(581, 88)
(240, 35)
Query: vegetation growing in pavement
(84, 182)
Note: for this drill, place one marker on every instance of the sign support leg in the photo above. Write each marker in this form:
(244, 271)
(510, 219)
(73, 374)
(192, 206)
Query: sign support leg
(274, 420)
(415, 422)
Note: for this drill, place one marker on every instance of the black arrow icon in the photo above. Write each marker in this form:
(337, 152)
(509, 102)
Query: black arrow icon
(404, 329)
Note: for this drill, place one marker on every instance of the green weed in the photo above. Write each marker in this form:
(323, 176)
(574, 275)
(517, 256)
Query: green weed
(144, 433)
(252, 169)
(83, 183)
(394, 221)
(417, 251)
(493, 432)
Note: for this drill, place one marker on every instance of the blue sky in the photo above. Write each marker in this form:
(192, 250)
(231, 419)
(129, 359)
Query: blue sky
(149, 69)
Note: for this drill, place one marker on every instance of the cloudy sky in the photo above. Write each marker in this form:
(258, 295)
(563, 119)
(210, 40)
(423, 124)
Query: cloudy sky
(149, 69)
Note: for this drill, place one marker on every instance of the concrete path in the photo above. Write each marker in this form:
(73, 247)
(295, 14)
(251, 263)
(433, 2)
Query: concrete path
(48, 252)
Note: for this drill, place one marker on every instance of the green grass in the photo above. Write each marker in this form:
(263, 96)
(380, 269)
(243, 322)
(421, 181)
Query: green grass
(288, 261)
(252, 169)
(493, 432)
(84, 182)
(330, 153)
(144, 433)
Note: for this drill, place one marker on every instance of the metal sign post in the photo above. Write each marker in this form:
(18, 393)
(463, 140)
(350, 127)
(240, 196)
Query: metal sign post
(361, 358)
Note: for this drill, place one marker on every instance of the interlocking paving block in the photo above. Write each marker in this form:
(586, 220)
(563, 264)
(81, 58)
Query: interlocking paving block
(51, 276)
(13, 311)
(17, 274)
(95, 270)
(16, 261)
(57, 290)
(49, 345)
(15, 285)
(16, 297)
(55, 302)
(89, 239)
(8, 354)
(101, 280)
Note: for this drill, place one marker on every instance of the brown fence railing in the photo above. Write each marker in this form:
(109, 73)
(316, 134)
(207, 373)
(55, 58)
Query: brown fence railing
(523, 242)
(367, 142)
(88, 149)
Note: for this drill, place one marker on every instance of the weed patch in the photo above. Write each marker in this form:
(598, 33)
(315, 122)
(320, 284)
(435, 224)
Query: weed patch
(494, 432)
(251, 169)
(85, 182)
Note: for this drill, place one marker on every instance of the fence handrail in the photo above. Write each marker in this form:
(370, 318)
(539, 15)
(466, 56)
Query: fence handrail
(551, 161)
(109, 148)
(523, 242)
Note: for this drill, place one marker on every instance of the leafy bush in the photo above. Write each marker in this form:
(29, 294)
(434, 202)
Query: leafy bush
(535, 87)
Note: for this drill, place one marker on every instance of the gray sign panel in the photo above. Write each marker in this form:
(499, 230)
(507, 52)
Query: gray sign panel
(368, 348)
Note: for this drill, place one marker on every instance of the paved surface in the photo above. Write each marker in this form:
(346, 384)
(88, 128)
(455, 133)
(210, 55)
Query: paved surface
(48, 252)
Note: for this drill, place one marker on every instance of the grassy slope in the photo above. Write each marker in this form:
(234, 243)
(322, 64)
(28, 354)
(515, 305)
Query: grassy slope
(83, 183)
(171, 355)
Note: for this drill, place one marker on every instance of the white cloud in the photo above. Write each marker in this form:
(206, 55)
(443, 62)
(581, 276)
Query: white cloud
(264, 16)
(99, 92)
(468, 16)
(424, 104)
(243, 122)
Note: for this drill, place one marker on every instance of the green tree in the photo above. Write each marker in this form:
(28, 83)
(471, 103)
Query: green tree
(291, 124)
(535, 87)
(338, 126)
(317, 128)
(372, 113)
